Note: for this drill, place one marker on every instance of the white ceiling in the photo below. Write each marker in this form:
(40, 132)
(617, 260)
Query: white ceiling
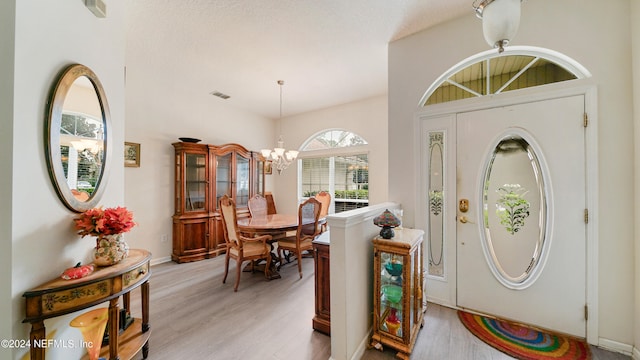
(328, 52)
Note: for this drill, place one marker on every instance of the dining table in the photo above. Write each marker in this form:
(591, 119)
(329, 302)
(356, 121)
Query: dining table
(277, 225)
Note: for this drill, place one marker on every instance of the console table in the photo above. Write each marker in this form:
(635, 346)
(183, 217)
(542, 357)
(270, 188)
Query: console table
(60, 297)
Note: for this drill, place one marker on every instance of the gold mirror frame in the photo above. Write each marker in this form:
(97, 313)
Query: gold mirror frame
(52, 137)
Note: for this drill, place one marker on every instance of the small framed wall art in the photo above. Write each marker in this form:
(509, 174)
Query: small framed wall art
(268, 167)
(131, 154)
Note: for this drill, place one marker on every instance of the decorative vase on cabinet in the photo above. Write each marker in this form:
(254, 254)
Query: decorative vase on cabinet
(397, 300)
(110, 250)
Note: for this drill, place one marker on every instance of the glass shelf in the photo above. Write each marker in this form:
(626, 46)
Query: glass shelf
(391, 294)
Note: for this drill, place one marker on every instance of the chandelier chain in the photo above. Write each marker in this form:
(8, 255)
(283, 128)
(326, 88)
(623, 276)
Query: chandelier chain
(280, 158)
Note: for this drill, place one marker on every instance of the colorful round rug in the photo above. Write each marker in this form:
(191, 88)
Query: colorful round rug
(522, 342)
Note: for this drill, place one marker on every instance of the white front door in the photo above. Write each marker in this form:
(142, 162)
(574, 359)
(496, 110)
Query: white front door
(521, 245)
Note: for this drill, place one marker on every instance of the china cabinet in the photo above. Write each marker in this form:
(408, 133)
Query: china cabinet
(397, 299)
(203, 174)
(106, 284)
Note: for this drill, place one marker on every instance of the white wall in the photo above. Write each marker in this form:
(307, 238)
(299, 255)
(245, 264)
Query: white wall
(351, 259)
(43, 239)
(161, 107)
(7, 33)
(367, 118)
(635, 33)
(568, 27)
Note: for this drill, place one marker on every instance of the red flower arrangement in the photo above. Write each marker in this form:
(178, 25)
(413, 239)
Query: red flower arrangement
(98, 222)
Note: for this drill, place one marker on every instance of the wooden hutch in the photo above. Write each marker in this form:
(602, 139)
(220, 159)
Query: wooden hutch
(203, 174)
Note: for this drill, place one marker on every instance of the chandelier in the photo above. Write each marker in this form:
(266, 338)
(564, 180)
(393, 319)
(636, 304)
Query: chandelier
(500, 20)
(280, 158)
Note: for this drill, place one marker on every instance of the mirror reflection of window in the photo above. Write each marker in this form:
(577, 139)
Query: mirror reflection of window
(82, 138)
(78, 125)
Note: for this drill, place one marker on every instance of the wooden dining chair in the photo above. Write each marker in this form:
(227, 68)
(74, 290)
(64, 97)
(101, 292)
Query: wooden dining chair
(308, 216)
(325, 199)
(239, 247)
(258, 206)
(271, 204)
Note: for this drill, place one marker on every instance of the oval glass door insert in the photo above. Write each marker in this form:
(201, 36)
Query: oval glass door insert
(514, 212)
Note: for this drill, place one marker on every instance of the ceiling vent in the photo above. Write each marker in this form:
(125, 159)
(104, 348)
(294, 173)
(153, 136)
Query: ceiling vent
(220, 95)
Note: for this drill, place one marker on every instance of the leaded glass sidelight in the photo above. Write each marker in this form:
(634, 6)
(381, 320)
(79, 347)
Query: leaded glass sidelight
(435, 203)
(514, 212)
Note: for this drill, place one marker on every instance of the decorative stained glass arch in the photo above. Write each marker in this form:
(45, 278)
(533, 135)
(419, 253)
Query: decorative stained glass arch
(334, 138)
(490, 73)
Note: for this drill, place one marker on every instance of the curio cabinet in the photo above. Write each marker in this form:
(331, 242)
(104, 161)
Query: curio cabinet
(397, 297)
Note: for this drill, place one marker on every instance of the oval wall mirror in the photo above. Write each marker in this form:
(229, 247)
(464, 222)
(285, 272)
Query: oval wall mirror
(78, 151)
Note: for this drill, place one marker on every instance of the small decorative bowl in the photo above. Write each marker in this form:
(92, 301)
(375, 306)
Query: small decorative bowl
(189, 140)
(394, 268)
(393, 293)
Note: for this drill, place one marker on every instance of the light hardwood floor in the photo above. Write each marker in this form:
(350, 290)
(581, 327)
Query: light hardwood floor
(195, 316)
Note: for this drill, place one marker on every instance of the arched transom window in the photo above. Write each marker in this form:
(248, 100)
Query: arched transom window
(334, 138)
(490, 73)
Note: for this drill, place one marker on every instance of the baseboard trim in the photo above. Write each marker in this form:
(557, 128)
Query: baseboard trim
(160, 260)
(442, 302)
(359, 353)
(618, 347)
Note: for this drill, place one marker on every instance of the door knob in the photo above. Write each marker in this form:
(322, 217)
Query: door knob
(463, 219)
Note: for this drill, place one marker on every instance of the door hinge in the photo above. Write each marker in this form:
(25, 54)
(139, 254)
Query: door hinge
(586, 312)
(585, 120)
(586, 216)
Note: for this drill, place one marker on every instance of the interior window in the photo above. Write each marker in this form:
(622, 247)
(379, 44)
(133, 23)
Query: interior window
(344, 175)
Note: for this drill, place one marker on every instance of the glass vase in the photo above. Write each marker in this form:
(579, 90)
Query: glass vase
(92, 325)
(393, 322)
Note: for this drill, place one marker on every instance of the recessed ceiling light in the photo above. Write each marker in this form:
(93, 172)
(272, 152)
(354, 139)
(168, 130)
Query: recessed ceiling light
(220, 95)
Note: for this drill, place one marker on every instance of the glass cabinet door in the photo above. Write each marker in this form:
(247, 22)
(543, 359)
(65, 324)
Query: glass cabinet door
(223, 176)
(195, 183)
(391, 293)
(242, 181)
(258, 183)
